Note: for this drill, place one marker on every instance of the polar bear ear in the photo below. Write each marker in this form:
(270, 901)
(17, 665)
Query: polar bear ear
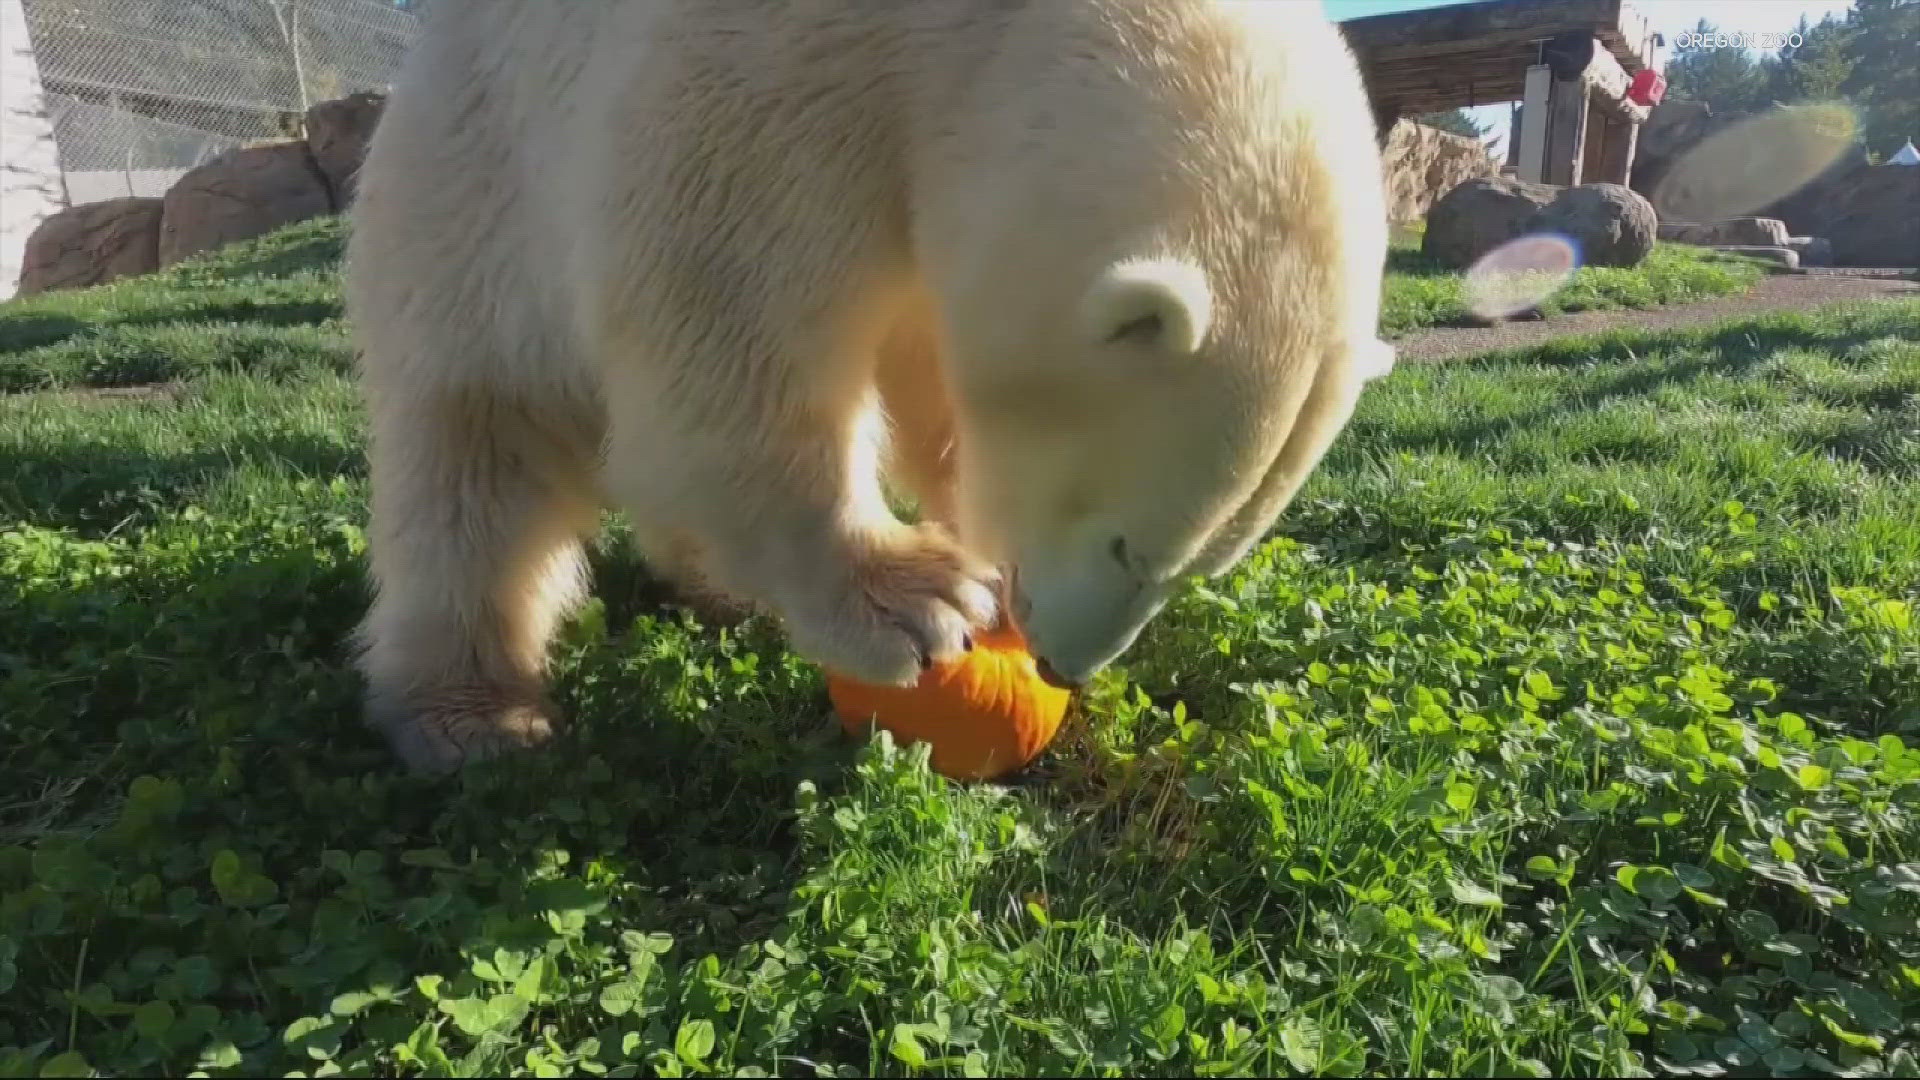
(1165, 302)
(1374, 358)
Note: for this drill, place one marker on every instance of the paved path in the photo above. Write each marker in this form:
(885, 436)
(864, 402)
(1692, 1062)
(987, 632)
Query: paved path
(1775, 292)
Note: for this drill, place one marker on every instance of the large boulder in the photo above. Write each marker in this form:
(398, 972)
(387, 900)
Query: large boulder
(1813, 250)
(337, 134)
(1610, 224)
(239, 195)
(1871, 216)
(1673, 128)
(1765, 232)
(1421, 163)
(92, 243)
(1779, 256)
(1865, 212)
(1479, 215)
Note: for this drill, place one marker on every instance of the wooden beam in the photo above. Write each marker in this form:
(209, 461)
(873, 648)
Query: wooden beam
(1616, 159)
(1436, 101)
(1531, 165)
(1518, 43)
(1494, 31)
(1440, 99)
(1635, 48)
(1602, 133)
(1567, 130)
(1497, 69)
(1426, 27)
(1485, 89)
(1609, 82)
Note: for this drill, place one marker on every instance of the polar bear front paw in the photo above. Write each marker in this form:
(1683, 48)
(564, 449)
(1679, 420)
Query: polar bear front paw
(446, 730)
(908, 596)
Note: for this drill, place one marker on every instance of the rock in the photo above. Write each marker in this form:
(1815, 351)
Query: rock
(1673, 127)
(239, 195)
(1768, 232)
(1779, 256)
(92, 243)
(1611, 224)
(1421, 163)
(1869, 215)
(1865, 212)
(337, 134)
(1813, 250)
(1480, 214)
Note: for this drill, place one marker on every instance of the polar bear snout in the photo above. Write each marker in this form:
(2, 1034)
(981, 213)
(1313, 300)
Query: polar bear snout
(1079, 621)
(1019, 608)
(1044, 668)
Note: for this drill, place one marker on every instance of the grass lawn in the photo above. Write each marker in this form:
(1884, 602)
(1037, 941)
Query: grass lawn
(1421, 293)
(1569, 725)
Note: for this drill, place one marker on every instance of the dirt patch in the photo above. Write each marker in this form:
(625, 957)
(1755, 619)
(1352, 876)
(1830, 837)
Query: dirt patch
(1776, 292)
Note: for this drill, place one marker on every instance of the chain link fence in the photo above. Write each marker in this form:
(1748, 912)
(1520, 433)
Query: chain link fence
(139, 91)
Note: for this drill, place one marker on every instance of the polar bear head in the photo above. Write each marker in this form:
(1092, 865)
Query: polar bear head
(1163, 449)
(1161, 314)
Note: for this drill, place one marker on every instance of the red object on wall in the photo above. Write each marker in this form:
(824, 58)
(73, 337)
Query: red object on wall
(1647, 88)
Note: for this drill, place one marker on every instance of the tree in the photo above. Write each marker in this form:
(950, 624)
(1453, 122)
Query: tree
(1885, 80)
(1456, 121)
(1726, 80)
(1819, 67)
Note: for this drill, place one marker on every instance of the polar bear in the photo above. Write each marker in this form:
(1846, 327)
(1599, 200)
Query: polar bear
(1095, 281)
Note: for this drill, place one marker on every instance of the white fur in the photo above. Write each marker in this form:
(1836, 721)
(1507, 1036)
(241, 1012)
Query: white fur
(1171, 292)
(1375, 360)
(699, 258)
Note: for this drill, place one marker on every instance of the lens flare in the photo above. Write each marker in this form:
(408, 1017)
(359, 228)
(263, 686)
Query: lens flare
(1756, 161)
(1519, 274)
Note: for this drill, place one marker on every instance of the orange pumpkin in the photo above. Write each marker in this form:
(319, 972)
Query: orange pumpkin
(985, 714)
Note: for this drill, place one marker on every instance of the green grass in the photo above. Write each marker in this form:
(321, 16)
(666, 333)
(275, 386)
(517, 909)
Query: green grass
(1420, 293)
(1570, 724)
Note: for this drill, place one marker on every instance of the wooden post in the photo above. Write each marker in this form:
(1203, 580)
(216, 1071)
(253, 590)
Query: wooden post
(1616, 166)
(1531, 165)
(1602, 132)
(1566, 131)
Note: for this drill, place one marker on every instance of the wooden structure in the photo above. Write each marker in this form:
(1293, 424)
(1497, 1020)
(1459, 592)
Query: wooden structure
(1568, 61)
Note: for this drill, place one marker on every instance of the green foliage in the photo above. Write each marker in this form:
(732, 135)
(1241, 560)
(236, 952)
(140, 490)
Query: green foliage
(1865, 58)
(1457, 121)
(1567, 726)
(1820, 67)
(1884, 79)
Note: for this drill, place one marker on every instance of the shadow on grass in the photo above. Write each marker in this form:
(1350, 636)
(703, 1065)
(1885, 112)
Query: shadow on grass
(99, 351)
(1410, 262)
(34, 330)
(304, 248)
(96, 489)
(222, 663)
